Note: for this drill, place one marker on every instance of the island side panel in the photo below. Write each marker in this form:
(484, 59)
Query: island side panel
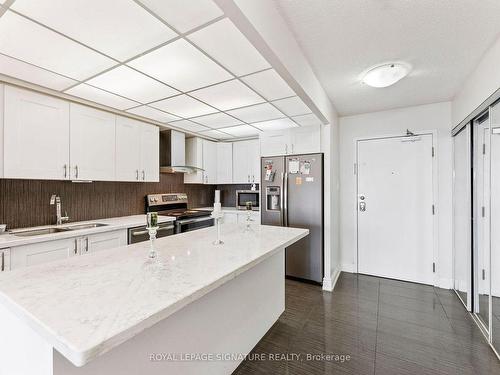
(230, 319)
(22, 350)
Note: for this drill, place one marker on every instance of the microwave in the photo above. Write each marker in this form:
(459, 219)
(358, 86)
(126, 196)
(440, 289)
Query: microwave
(244, 196)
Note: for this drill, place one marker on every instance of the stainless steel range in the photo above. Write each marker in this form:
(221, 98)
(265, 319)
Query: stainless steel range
(176, 204)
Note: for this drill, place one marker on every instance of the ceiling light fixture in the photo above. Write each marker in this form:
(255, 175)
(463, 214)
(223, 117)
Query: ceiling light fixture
(385, 75)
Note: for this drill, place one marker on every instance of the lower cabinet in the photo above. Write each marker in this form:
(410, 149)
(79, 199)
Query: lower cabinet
(38, 253)
(240, 217)
(4, 260)
(43, 252)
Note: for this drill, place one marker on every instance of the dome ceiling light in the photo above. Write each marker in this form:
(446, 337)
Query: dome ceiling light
(385, 75)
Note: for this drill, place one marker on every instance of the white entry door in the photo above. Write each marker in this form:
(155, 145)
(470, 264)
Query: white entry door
(395, 208)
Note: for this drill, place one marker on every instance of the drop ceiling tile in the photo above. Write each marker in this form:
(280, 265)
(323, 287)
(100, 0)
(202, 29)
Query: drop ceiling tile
(120, 28)
(225, 43)
(183, 106)
(282, 123)
(217, 120)
(241, 131)
(256, 113)
(32, 43)
(30, 73)
(99, 96)
(292, 106)
(269, 84)
(131, 84)
(307, 120)
(181, 65)
(152, 113)
(228, 95)
(216, 134)
(184, 15)
(188, 125)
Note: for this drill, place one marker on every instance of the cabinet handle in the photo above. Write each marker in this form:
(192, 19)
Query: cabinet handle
(248, 178)
(292, 148)
(137, 174)
(76, 171)
(143, 175)
(3, 262)
(76, 246)
(65, 170)
(286, 149)
(253, 178)
(86, 244)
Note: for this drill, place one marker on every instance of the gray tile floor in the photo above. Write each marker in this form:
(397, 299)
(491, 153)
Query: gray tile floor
(385, 326)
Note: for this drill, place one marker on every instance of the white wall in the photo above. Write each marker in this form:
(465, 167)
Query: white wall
(483, 82)
(395, 122)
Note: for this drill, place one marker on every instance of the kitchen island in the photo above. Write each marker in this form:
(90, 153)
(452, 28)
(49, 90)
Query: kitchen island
(196, 308)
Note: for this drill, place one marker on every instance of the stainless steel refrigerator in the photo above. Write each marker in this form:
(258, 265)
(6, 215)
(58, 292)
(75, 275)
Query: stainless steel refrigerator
(292, 196)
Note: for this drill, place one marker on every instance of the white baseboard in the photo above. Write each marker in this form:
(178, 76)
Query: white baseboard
(349, 267)
(329, 282)
(444, 283)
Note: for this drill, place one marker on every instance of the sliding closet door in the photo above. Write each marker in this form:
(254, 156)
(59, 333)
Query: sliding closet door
(462, 215)
(481, 231)
(495, 224)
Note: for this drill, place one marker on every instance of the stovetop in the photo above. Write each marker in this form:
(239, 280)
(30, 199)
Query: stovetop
(172, 204)
(184, 214)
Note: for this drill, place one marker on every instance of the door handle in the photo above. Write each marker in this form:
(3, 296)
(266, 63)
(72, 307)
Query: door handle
(137, 174)
(143, 175)
(282, 223)
(362, 206)
(65, 170)
(285, 201)
(76, 171)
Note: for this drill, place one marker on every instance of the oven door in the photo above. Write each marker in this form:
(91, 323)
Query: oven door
(139, 234)
(187, 225)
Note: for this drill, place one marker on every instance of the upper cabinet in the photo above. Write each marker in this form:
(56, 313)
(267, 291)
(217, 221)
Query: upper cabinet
(209, 162)
(301, 140)
(36, 136)
(92, 144)
(246, 162)
(201, 153)
(224, 163)
(137, 151)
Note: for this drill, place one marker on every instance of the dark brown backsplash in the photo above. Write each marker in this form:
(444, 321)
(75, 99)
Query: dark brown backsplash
(25, 203)
(228, 193)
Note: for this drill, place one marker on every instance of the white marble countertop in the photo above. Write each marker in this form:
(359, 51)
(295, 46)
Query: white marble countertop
(84, 306)
(224, 209)
(115, 223)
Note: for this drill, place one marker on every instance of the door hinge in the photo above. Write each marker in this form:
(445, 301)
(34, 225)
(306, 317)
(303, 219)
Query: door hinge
(434, 267)
(484, 274)
(484, 148)
(483, 211)
(432, 151)
(433, 210)
(355, 168)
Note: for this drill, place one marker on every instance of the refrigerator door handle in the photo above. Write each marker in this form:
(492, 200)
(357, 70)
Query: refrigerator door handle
(282, 223)
(285, 198)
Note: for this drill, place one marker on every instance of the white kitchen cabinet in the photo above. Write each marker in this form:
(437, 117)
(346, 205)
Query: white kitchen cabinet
(36, 136)
(246, 162)
(137, 151)
(300, 140)
(194, 158)
(4, 260)
(224, 163)
(92, 144)
(2, 88)
(177, 148)
(209, 162)
(33, 254)
(150, 153)
(128, 149)
(102, 241)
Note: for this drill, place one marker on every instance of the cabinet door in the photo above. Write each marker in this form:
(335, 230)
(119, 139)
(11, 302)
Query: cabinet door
(30, 255)
(254, 160)
(306, 140)
(150, 150)
(92, 144)
(209, 162)
(194, 158)
(4, 260)
(104, 241)
(275, 143)
(36, 136)
(224, 163)
(241, 174)
(128, 149)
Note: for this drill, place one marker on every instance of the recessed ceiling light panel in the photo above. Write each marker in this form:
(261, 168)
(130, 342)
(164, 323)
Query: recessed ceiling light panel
(385, 75)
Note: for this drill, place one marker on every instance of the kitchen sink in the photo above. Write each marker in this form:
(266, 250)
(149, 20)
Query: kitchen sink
(83, 226)
(37, 232)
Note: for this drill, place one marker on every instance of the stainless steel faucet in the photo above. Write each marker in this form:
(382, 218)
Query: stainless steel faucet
(55, 199)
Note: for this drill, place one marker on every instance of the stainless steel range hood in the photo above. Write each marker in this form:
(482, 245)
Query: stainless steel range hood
(172, 153)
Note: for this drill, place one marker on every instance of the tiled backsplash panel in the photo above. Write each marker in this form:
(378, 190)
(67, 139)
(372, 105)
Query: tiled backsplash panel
(25, 203)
